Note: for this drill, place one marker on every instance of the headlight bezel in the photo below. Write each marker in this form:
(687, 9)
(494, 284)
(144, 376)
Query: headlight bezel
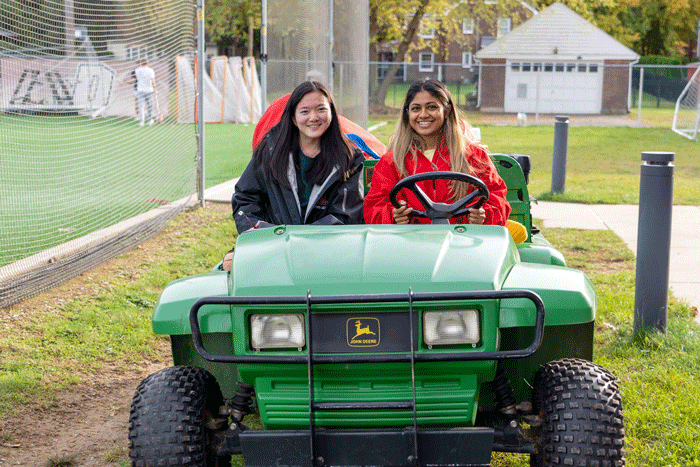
(469, 319)
(295, 322)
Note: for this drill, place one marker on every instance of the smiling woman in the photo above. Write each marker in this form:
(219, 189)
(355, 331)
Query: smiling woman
(304, 170)
(429, 137)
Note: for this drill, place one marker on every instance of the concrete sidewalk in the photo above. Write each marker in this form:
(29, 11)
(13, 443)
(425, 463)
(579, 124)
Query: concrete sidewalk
(684, 267)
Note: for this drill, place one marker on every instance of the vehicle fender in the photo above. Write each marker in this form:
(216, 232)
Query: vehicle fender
(172, 313)
(539, 250)
(532, 253)
(567, 294)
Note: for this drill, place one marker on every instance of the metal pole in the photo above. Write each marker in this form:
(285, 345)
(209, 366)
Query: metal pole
(263, 54)
(641, 90)
(331, 14)
(69, 28)
(561, 140)
(537, 99)
(200, 101)
(653, 241)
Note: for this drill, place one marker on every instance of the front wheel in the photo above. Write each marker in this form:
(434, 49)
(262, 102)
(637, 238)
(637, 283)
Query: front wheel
(581, 410)
(174, 420)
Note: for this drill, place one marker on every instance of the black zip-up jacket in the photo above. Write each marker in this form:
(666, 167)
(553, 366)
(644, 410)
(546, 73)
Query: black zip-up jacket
(259, 203)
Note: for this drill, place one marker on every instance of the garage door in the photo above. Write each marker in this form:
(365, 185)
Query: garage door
(554, 87)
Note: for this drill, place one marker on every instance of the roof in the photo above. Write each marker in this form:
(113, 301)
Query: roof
(559, 31)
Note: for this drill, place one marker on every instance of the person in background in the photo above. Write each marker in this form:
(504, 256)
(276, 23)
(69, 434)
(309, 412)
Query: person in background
(145, 87)
(304, 170)
(430, 136)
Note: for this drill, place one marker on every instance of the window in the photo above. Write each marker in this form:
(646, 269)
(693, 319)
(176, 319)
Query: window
(134, 52)
(570, 67)
(503, 27)
(425, 62)
(548, 67)
(515, 66)
(536, 66)
(527, 66)
(559, 67)
(593, 68)
(427, 31)
(468, 26)
(466, 59)
(522, 91)
(487, 40)
(581, 67)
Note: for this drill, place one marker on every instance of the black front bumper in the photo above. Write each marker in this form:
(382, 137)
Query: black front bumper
(445, 447)
(412, 446)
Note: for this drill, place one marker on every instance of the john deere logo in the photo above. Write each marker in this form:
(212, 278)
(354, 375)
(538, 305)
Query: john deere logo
(362, 332)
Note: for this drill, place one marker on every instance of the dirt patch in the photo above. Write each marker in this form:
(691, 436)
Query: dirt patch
(89, 423)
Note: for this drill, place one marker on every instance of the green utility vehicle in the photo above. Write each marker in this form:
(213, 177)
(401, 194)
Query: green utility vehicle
(383, 345)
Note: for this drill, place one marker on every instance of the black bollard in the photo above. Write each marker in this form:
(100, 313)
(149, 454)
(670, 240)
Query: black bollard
(561, 138)
(653, 241)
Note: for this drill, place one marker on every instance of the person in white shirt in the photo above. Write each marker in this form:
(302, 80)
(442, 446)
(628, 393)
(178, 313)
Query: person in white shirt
(145, 87)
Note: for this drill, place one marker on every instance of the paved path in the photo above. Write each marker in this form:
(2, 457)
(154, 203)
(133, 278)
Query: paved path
(684, 268)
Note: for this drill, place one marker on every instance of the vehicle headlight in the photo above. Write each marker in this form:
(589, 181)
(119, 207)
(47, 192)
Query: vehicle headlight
(277, 331)
(451, 327)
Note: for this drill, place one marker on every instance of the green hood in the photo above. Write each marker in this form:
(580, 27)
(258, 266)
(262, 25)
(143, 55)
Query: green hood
(366, 259)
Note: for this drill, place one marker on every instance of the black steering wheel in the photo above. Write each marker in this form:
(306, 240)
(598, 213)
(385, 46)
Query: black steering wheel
(440, 213)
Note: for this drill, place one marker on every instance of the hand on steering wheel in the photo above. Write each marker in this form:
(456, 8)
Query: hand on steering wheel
(440, 213)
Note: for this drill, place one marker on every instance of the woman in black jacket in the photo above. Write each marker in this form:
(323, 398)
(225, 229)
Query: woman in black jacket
(304, 171)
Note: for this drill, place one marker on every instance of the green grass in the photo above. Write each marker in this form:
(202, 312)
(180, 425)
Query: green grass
(397, 93)
(228, 149)
(660, 375)
(64, 177)
(108, 323)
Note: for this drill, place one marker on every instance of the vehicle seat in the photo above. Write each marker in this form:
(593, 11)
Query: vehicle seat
(514, 169)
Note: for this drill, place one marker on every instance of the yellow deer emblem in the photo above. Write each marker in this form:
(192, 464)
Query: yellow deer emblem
(361, 330)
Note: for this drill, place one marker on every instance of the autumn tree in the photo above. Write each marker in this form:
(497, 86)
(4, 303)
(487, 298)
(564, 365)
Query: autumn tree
(650, 27)
(232, 22)
(398, 21)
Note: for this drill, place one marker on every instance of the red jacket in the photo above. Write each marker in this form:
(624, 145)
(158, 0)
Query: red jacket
(378, 208)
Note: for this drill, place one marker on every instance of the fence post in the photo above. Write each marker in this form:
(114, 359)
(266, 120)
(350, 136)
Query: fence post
(200, 101)
(653, 241)
(641, 95)
(561, 137)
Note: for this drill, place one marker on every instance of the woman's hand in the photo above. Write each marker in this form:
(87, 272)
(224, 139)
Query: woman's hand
(477, 216)
(401, 214)
(226, 266)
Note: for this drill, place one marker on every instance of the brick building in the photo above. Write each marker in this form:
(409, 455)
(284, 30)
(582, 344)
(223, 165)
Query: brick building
(451, 60)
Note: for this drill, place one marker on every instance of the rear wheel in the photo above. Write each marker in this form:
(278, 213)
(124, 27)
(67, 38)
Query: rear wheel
(174, 420)
(581, 409)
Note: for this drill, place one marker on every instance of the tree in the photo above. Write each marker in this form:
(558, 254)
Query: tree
(232, 22)
(650, 27)
(397, 22)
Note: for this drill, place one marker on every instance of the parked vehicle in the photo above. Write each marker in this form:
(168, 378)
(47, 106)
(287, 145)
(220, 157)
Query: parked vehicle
(382, 345)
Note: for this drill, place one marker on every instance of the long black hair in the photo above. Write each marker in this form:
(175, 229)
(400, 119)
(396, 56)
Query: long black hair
(336, 149)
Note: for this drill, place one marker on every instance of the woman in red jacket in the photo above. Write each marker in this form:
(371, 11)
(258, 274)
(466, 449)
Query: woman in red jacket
(431, 137)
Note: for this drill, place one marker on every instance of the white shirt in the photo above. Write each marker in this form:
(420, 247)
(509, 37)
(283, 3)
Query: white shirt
(144, 79)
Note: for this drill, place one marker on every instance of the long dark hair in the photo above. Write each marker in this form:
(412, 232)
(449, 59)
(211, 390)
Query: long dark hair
(457, 133)
(336, 149)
